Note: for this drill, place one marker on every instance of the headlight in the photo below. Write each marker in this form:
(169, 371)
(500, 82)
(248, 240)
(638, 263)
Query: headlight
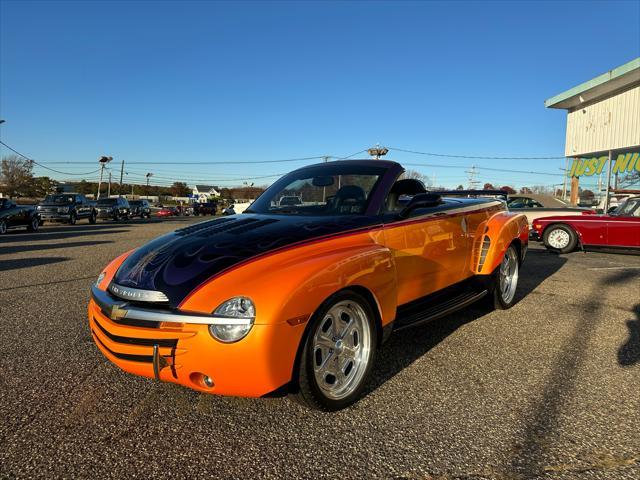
(39, 207)
(241, 313)
(63, 209)
(100, 278)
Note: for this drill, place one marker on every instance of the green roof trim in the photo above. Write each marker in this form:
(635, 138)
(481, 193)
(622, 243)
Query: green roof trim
(599, 80)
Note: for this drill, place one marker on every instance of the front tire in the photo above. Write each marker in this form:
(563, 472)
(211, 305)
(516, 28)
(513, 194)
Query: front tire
(72, 219)
(338, 354)
(34, 225)
(560, 238)
(3, 227)
(506, 280)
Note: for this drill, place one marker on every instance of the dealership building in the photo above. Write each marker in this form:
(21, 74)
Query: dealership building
(603, 126)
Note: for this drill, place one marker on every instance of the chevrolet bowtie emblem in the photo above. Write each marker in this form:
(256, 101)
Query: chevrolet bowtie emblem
(117, 313)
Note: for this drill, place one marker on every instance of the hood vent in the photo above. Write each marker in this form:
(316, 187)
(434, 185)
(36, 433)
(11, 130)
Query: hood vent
(250, 226)
(198, 227)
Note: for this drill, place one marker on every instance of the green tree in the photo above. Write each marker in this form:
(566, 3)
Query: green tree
(42, 186)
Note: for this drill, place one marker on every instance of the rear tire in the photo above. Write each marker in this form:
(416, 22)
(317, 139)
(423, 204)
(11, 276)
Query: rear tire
(560, 238)
(338, 353)
(505, 280)
(3, 227)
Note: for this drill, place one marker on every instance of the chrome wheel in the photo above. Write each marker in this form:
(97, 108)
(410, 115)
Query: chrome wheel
(508, 281)
(341, 349)
(558, 238)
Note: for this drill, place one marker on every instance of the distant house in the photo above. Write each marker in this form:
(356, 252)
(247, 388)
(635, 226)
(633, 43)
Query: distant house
(203, 193)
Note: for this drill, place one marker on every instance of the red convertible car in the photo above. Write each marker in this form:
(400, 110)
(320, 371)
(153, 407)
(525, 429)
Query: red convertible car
(617, 230)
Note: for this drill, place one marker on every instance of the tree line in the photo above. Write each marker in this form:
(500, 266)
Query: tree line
(17, 180)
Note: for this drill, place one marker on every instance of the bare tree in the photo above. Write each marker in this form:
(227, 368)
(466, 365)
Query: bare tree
(416, 175)
(16, 175)
(180, 189)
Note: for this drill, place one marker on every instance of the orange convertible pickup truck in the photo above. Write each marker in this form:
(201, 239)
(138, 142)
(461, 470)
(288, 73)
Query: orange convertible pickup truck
(297, 298)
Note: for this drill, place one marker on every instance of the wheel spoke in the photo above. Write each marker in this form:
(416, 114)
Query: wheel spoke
(348, 329)
(350, 352)
(322, 368)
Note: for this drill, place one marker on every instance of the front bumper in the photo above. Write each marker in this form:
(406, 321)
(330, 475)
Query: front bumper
(105, 213)
(533, 235)
(184, 353)
(55, 217)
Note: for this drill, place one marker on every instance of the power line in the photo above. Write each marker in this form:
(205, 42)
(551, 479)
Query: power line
(42, 166)
(349, 156)
(177, 164)
(474, 157)
(481, 168)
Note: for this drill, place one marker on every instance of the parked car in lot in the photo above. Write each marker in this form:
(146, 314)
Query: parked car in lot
(140, 208)
(167, 212)
(536, 206)
(205, 208)
(299, 298)
(289, 200)
(67, 208)
(619, 230)
(235, 208)
(14, 216)
(113, 208)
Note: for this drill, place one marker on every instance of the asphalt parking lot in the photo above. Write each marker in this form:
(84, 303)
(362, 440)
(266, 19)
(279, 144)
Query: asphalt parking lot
(548, 389)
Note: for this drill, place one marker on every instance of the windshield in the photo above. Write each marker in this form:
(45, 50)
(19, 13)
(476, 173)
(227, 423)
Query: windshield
(107, 201)
(322, 190)
(629, 208)
(59, 199)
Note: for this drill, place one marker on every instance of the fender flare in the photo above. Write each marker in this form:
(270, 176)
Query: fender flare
(494, 238)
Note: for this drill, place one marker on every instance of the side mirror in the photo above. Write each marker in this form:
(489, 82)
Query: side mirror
(421, 200)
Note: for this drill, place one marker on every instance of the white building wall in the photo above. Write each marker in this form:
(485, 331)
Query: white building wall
(610, 124)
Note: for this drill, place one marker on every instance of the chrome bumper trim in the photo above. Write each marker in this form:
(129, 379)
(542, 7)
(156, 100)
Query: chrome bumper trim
(117, 309)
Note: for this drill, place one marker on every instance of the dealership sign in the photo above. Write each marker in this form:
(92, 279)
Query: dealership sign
(624, 163)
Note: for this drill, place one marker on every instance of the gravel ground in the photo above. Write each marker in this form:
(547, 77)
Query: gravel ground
(548, 389)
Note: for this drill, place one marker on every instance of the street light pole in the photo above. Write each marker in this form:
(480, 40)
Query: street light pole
(121, 173)
(606, 193)
(103, 161)
(148, 175)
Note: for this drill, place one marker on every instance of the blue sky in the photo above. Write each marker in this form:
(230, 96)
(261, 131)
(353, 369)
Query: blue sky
(175, 82)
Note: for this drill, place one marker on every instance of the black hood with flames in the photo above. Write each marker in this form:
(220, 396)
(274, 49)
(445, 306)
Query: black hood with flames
(176, 263)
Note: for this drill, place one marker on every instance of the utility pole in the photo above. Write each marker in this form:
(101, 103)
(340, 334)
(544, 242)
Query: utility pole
(103, 161)
(109, 191)
(324, 189)
(473, 183)
(121, 173)
(564, 183)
